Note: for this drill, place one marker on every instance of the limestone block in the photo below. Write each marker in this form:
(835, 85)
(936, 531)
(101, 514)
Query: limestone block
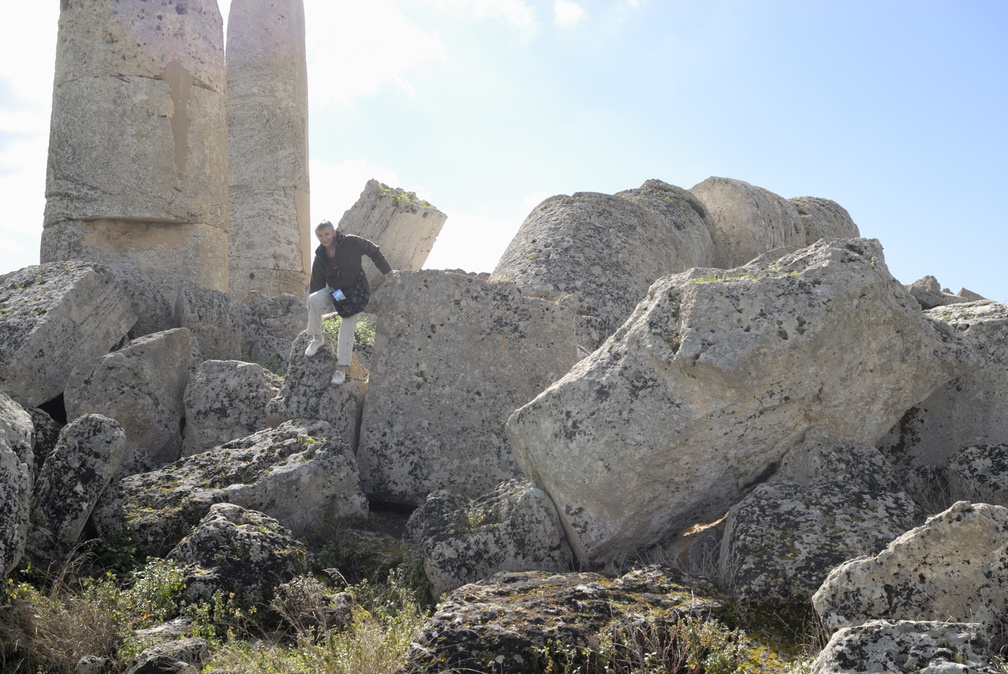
(404, 227)
(513, 528)
(300, 473)
(783, 539)
(213, 320)
(950, 568)
(972, 409)
(818, 455)
(141, 387)
(453, 357)
(906, 646)
(306, 391)
(16, 477)
(695, 398)
(930, 295)
(979, 474)
(180, 656)
(269, 327)
(824, 219)
(270, 249)
(748, 221)
(224, 401)
(240, 552)
(598, 253)
(56, 316)
(137, 163)
(81, 466)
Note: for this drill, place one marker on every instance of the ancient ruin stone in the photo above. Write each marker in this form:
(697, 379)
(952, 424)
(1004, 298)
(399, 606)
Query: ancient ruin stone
(212, 319)
(692, 402)
(905, 646)
(950, 568)
(269, 327)
(267, 126)
(599, 254)
(54, 317)
(972, 409)
(505, 624)
(225, 400)
(141, 387)
(16, 437)
(929, 293)
(513, 528)
(980, 474)
(301, 474)
(240, 552)
(824, 219)
(748, 221)
(307, 391)
(181, 656)
(783, 539)
(453, 357)
(403, 225)
(137, 148)
(83, 463)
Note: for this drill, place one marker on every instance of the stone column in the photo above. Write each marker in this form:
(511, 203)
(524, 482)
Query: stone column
(137, 146)
(271, 234)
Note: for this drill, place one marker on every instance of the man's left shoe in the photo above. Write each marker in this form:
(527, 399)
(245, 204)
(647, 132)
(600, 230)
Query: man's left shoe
(338, 377)
(313, 346)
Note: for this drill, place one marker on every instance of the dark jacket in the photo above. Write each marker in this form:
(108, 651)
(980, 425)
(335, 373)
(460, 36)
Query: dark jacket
(349, 251)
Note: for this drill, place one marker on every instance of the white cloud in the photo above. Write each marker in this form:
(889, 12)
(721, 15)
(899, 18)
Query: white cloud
(567, 13)
(516, 12)
(360, 48)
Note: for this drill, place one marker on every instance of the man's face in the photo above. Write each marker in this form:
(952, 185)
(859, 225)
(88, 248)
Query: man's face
(325, 236)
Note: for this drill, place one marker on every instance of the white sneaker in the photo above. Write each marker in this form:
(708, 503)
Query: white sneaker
(338, 377)
(313, 347)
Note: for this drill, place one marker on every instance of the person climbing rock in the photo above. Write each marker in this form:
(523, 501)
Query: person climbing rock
(338, 284)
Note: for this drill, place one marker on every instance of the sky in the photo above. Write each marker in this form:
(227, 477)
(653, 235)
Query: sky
(895, 109)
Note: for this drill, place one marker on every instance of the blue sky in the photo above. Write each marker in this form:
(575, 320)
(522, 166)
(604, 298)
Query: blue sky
(895, 109)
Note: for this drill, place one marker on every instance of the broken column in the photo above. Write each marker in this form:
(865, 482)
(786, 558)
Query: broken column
(267, 78)
(137, 147)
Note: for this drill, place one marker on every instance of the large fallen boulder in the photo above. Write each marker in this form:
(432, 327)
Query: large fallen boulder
(83, 463)
(301, 474)
(905, 646)
(225, 400)
(241, 553)
(689, 405)
(979, 474)
(453, 357)
(141, 387)
(55, 317)
(972, 409)
(269, 326)
(513, 528)
(949, 568)
(16, 477)
(747, 221)
(509, 624)
(824, 219)
(599, 253)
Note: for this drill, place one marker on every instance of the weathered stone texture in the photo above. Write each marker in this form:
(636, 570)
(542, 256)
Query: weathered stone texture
(54, 317)
(16, 478)
(972, 409)
(81, 466)
(748, 221)
(137, 151)
(691, 402)
(906, 646)
(453, 357)
(141, 387)
(824, 219)
(953, 567)
(269, 327)
(513, 528)
(267, 92)
(302, 474)
(240, 552)
(599, 253)
(225, 400)
(403, 225)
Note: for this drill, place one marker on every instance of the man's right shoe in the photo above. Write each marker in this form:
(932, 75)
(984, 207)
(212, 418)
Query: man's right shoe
(313, 347)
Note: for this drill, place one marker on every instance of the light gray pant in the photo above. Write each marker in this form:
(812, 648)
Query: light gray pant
(319, 304)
